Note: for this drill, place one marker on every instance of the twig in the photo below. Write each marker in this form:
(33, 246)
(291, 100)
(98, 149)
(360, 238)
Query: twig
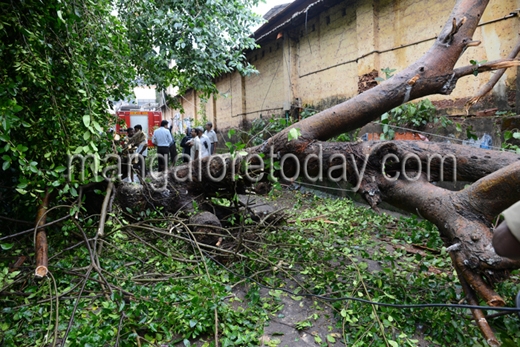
(32, 229)
(119, 328)
(57, 320)
(16, 220)
(71, 320)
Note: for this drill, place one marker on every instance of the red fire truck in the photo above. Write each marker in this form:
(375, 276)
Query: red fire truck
(149, 120)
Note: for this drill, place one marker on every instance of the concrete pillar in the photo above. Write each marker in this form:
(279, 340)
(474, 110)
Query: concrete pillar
(290, 76)
(367, 36)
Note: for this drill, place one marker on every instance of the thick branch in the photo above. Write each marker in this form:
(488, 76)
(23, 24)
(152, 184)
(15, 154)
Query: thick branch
(494, 193)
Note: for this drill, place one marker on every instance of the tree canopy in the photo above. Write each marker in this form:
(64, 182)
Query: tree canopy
(63, 62)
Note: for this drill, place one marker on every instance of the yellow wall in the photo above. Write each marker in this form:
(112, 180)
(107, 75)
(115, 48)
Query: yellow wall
(323, 59)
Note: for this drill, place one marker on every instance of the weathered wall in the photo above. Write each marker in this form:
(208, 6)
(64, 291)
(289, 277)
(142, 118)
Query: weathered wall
(321, 60)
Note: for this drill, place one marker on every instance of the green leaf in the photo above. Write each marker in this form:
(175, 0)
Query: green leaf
(4, 138)
(516, 135)
(6, 165)
(393, 343)
(6, 246)
(60, 16)
(331, 338)
(293, 134)
(86, 120)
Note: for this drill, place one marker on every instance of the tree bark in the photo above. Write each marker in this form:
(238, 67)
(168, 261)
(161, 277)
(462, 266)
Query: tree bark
(40, 239)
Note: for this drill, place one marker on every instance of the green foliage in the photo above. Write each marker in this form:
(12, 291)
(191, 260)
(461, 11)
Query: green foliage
(338, 250)
(476, 65)
(411, 115)
(262, 128)
(293, 134)
(201, 39)
(159, 295)
(59, 69)
(164, 292)
(64, 62)
(389, 73)
(508, 135)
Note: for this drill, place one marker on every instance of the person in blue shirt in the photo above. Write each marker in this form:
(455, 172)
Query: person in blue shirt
(162, 138)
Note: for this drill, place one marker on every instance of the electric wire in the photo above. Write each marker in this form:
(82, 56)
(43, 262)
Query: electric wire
(369, 302)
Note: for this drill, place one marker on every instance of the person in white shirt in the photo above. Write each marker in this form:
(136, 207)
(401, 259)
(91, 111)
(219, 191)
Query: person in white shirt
(205, 144)
(212, 136)
(194, 143)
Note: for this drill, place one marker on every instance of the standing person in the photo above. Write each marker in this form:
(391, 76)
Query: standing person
(194, 144)
(173, 150)
(162, 138)
(205, 144)
(212, 136)
(128, 150)
(141, 141)
(186, 149)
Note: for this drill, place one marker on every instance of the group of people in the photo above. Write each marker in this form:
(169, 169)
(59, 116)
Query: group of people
(199, 143)
(196, 144)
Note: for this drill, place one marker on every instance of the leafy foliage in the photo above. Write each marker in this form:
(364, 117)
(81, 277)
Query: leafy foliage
(509, 135)
(59, 70)
(188, 43)
(162, 290)
(63, 62)
(412, 115)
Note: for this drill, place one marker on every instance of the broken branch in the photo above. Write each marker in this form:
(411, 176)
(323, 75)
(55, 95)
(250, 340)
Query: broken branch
(40, 243)
(492, 81)
(490, 66)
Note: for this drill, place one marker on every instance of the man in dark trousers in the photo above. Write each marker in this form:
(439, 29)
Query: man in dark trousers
(162, 138)
(186, 148)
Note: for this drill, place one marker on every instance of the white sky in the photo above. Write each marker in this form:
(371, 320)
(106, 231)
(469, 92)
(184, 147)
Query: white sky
(262, 7)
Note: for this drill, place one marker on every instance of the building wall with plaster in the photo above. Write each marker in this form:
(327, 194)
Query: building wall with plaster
(320, 61)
